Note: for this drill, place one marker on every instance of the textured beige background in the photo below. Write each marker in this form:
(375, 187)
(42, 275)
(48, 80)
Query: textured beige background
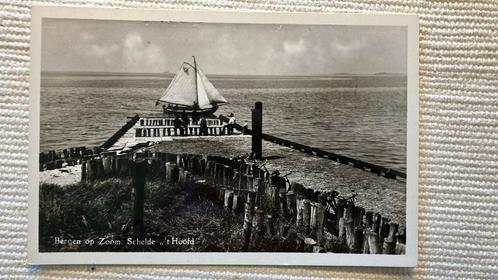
(459, 143)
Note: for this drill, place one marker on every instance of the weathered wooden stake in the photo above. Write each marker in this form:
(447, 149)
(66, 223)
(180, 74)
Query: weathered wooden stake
(247, 226)
(83, 171)
(358, 240)
(269, 225)
(373, 242)
(257, 130)
(339, 214)
(367, 226)
(349, 225)
(319, 216)
(373, 235)
(258, 225)
(106, 162)
(171, 172)
(299, 210)
(90, 173)
(228, 199)
(306, 213)
(139, 173)
(291, 204)
(236, 203)
(384, 230)
(283, 202)
(390, 241)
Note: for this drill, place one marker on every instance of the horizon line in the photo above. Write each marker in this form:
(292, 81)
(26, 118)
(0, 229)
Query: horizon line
(75, 72)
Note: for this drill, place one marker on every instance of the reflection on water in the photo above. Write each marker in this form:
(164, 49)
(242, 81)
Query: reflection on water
(362, 117)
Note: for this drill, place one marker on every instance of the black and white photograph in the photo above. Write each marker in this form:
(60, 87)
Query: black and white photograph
(224, 134)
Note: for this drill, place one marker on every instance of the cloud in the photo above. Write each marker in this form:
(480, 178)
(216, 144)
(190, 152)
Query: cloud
(103, 52)
(142, 56)
(295, 47)
(85, 36)
(346, 47)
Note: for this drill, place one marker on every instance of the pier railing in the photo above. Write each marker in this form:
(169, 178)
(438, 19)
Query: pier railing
(297, 218)
(169, 122)
(164, 127)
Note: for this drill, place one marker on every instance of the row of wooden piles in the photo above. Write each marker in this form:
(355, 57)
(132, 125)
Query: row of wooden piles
(274, 210)
(66, 157)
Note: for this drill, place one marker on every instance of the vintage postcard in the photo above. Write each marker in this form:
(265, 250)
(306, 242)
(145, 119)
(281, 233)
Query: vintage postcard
(196, 137)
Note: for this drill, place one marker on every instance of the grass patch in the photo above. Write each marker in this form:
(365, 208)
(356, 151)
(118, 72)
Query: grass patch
(104, 210)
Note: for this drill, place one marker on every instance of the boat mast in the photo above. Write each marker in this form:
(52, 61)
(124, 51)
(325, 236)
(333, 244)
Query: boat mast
(196, 90)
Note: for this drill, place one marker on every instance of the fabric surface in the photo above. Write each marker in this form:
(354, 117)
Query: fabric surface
(458, 221)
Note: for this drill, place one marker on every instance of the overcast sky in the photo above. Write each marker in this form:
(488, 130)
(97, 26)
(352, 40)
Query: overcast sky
(155, 47)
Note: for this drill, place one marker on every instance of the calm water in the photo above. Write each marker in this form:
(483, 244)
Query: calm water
(359, 116)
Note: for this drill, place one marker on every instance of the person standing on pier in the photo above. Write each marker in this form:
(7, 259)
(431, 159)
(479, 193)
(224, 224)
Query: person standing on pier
(178, 125)
(203, 127)
(185, 122)
(231, 123)
(245, 126)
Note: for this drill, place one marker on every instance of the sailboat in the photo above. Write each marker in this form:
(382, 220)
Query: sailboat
(191, 92)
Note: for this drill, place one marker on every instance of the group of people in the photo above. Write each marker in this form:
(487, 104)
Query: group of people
(182, 122)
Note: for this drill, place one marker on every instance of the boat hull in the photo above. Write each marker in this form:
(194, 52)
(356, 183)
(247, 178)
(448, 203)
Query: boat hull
(190, 111)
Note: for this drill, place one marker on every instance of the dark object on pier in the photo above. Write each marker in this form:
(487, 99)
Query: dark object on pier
(111, 141)
(257, 130)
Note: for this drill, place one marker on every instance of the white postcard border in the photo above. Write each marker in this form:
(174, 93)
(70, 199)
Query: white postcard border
(301, 259)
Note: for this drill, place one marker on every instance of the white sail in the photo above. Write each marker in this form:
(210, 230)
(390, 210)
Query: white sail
(182, 89)
(202, 95)
(215, 97)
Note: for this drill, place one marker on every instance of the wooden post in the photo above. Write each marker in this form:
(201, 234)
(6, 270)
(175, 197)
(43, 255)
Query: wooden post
(358, 213)
(299, 210)
(318, 215)
(341, 231)
(171, 172)
(247, 226)
(139, 173)
(228, 199)
(373, 242)
(339, 214)
(83, 171)
(373, 235)
(358, 240)
(106, 162)
(291, 204)
(65, 152)
(124, 166)
(258, 225)
(257, 130)
(306, 213)
(259, 188)
(367, 226)
(384, 230)
(349, 225)
(236, 203)
(390, 241)
(90, 173)
(283, 202)
(249, 182)
(269, 225)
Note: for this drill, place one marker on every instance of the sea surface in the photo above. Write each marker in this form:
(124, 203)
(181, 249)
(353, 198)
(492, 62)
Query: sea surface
(362, 116)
